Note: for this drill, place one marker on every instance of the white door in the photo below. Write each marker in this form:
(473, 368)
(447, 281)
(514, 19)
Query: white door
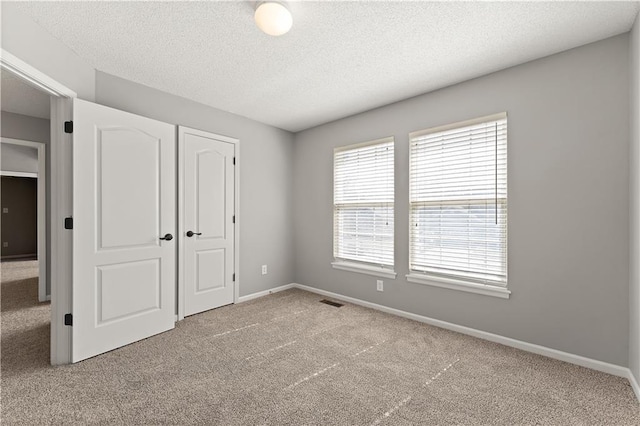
(124, 203)
(207, 197)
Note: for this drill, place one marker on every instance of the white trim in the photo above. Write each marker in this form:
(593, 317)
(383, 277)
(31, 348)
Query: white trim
(594, 364)
(42, 223)
(453, 284)
(9, 173)
(363, 144)
(464, 123)
(265, 292)
(22, 142)
(236, 228)
(61, 239)
(180, 219)
(634, 383)
(41, 177)
(60, 348)
(33, 76)
(362, 268)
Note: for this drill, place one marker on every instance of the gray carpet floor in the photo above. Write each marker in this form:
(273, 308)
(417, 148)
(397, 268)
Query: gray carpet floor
(286, 359)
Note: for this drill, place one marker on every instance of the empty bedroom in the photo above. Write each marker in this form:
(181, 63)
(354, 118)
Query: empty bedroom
(320, 212)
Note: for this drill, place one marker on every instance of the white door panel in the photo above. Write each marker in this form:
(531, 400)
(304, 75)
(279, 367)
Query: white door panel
(138, 223)
(210, 270)
(127, 289)
(210, 189)
(207, 197)
(124, 201)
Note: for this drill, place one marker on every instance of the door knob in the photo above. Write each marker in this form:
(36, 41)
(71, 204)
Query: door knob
(167, 237)
(191, 233)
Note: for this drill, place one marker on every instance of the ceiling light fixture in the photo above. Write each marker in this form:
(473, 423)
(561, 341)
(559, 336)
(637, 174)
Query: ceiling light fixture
(273, 18)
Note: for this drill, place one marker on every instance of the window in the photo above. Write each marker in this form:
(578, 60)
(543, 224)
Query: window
(458, 206)
(363, 191)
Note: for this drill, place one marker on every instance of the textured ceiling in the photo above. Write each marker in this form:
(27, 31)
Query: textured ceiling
(340, 58)
(19, 97)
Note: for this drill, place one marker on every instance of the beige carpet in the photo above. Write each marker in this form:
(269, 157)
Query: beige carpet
(287, 359)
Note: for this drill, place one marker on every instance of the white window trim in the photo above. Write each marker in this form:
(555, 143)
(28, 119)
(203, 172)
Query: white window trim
(376, 271)
(464, 123)
(363, 144)
(461, 285)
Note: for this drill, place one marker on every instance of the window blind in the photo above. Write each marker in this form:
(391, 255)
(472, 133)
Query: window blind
(458, 201)
(363, 203)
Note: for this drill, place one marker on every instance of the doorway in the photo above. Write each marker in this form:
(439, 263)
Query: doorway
(29, 95)
(24, 278)
(23, 204)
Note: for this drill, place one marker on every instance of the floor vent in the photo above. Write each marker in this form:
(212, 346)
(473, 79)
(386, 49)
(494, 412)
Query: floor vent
(331, 303)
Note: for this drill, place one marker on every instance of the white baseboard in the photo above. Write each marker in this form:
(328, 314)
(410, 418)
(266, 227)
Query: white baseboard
(265, 293)
(605, 367)
(634, 384)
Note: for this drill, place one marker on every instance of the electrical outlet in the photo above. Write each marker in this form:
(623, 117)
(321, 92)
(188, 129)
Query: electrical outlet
(5, 210)
(264, 269)
(380, 285)
(5, 244)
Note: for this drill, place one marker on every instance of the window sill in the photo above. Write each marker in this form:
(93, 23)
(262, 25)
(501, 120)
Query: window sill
(364, 269)
(460, 285)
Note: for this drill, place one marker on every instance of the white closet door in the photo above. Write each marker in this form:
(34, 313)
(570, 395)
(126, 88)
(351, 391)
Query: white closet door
(207, 197)
(124, 203)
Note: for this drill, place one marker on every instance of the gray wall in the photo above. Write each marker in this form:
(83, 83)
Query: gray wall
(17, 158)
(568, 201)
(22, 37)
(18, 126)
(265, 215)
(634, 203)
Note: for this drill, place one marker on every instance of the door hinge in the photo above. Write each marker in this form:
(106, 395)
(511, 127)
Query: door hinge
(68, 126)
(68, 223)
(234, 218)
(68, 319)
(234, 161)
(234, 277)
